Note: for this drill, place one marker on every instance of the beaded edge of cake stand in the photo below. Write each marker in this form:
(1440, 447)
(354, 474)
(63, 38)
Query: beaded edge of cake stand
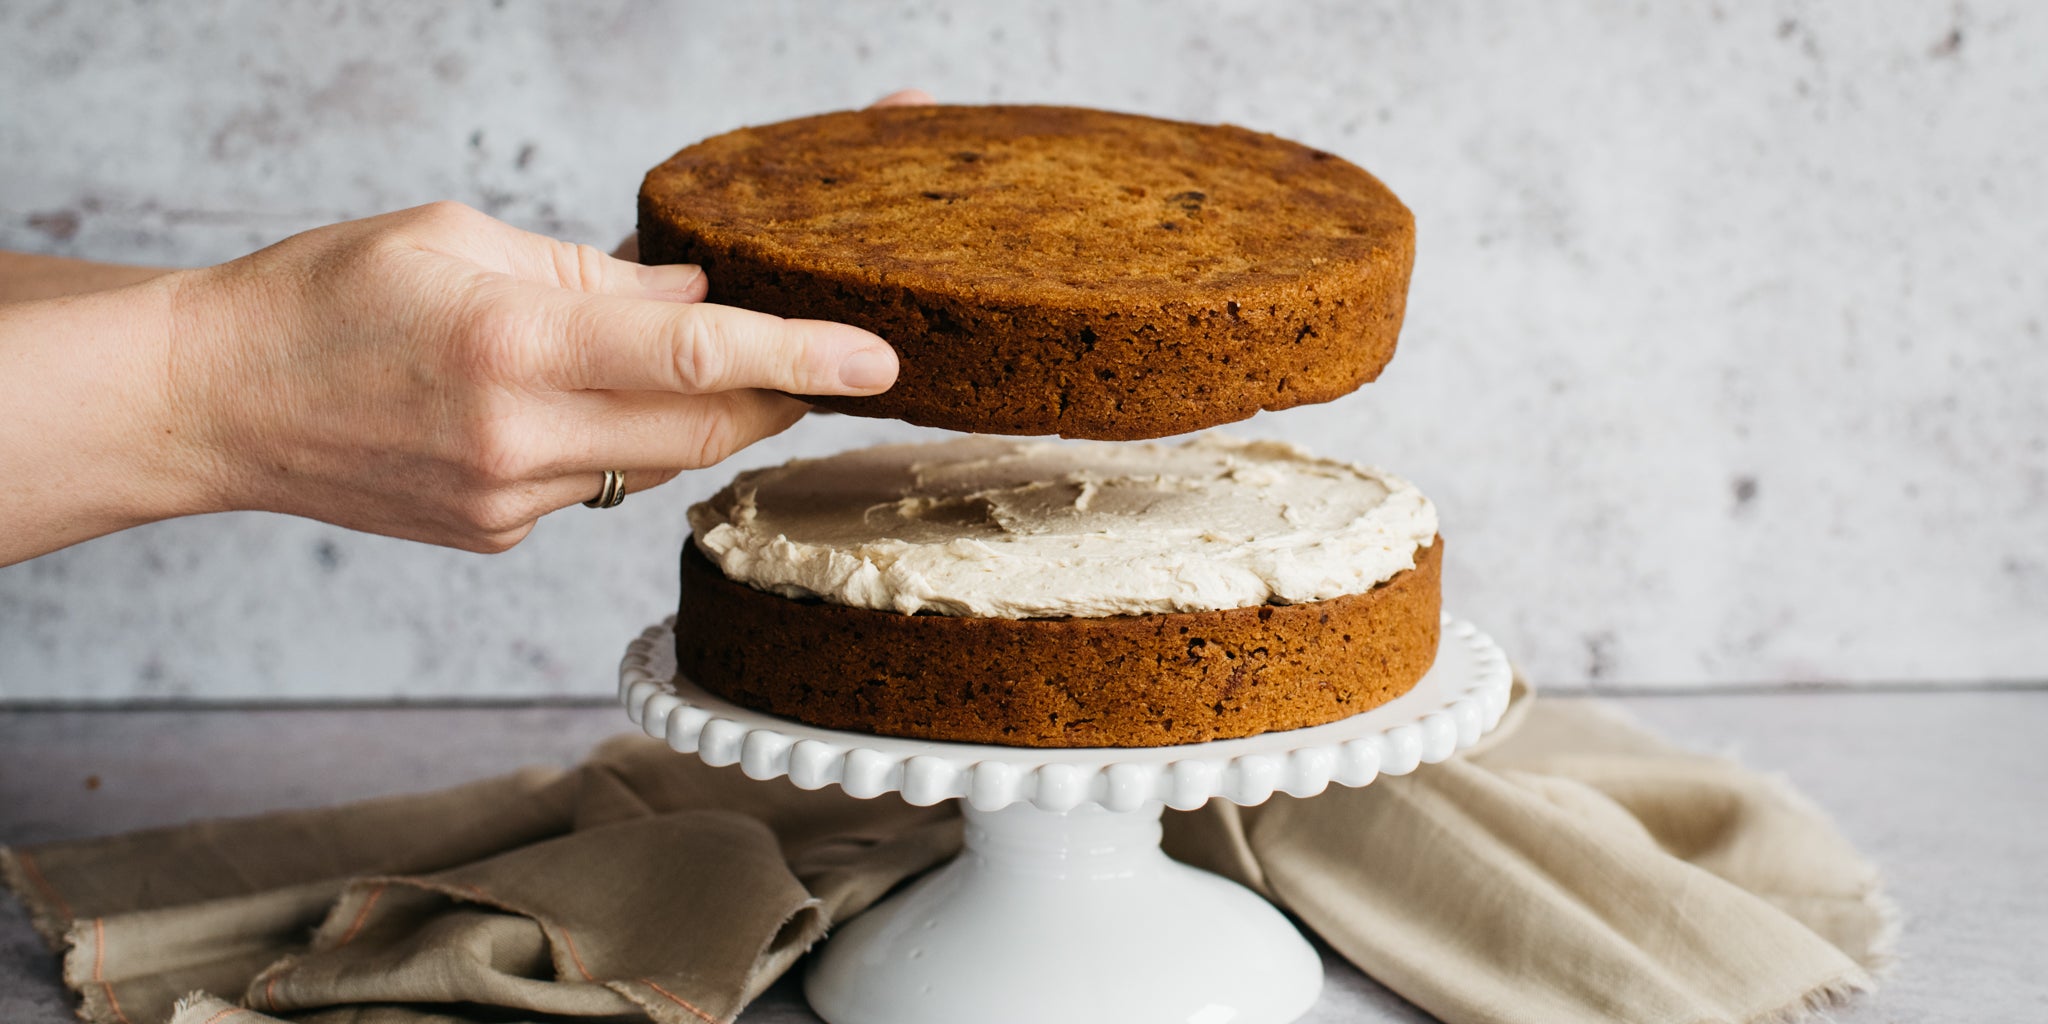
(1300, 762)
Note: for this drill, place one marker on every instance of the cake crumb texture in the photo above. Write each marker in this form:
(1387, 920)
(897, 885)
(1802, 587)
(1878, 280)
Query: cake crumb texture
(1123, 681)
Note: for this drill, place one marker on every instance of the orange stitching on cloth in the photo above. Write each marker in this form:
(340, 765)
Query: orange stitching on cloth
(573, 955)
(115, 1003)
(35, 874)
(361, 916)
(222, 1015)
(680, 1001)
(566, 941)
(99, 966)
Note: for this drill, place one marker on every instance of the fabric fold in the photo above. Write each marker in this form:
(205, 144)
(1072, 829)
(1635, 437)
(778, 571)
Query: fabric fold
(1574, 868)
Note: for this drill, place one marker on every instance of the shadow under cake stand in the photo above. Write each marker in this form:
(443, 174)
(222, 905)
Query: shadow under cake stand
(1061, 906)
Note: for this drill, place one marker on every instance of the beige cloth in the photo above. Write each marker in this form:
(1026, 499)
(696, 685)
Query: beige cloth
(1575, 869)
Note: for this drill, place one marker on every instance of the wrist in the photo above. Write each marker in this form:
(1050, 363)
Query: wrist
(94, 443)
(157, 459)
(195, 461)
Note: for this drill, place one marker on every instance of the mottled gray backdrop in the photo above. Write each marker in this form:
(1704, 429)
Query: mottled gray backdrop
(1725, 357)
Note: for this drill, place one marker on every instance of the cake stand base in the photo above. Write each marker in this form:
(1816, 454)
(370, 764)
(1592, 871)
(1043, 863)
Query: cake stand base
(1073, 916)
(1062, 906)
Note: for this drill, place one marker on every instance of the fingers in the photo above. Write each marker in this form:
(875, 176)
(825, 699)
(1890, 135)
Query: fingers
(906, 98)
(577, 488)
(587, 269)
(456, 230)
(620, 344)
(608, 336)
(648, 437)
(651, 436)
(629, 430)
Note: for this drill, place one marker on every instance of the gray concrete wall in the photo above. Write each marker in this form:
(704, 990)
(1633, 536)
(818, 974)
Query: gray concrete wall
(1725, 357)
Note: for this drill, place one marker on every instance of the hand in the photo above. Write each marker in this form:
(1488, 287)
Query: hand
(431, 374)
(438, 375)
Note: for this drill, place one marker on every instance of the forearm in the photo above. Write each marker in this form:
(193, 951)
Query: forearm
(25, 277)
(90, 438)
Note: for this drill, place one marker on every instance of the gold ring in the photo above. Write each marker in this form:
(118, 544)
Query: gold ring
(613, 491)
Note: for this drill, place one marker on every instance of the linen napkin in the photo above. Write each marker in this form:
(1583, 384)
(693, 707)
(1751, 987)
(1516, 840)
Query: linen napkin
(1574, 868)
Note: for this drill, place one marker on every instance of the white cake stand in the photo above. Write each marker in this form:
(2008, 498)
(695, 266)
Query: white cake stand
(1062, 907)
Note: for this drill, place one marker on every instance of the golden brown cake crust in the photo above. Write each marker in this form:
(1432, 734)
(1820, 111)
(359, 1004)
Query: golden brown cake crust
(1128, 681)
(1048, 270)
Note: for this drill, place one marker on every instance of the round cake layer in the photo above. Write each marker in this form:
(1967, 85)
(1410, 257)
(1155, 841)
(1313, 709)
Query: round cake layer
(1137, 680)
(993, 527)
(1052, 270)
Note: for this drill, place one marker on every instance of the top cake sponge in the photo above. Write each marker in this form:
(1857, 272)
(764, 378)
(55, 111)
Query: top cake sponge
(1052, 270)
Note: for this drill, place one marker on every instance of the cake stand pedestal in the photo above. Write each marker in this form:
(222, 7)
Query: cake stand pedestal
(1062, 906)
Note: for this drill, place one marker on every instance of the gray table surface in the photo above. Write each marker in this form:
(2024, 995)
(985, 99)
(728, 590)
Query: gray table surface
(1943, 789)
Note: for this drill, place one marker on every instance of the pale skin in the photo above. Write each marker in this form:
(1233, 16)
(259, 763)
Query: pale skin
(431, 374)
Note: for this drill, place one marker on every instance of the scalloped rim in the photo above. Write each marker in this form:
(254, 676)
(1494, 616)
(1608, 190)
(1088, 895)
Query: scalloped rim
(1461, 698)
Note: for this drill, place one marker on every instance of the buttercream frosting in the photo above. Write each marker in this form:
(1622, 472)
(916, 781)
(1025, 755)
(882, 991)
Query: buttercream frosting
(1006, 528)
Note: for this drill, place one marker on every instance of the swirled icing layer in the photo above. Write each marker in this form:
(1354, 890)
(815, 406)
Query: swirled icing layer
(1003, 528)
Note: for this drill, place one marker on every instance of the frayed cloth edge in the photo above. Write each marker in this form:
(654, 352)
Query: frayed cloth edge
(43, 915)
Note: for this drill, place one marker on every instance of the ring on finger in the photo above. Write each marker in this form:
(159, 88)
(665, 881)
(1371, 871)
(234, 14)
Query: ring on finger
(611, 493)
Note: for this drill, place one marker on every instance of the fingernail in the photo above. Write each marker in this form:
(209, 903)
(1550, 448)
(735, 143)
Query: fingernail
(868, 369)
(672, 277)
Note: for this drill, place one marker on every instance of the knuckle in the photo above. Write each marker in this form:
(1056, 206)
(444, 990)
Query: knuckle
(496, 456)
(473, 543)
(490, 442)
(499, 542)
(445, 213)
(370, 261)
(385, 237)
(486, 543)
(380, 250)
(701, 364)
(580, 266)
(715, 438)
(494, 511)
(495, 343)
